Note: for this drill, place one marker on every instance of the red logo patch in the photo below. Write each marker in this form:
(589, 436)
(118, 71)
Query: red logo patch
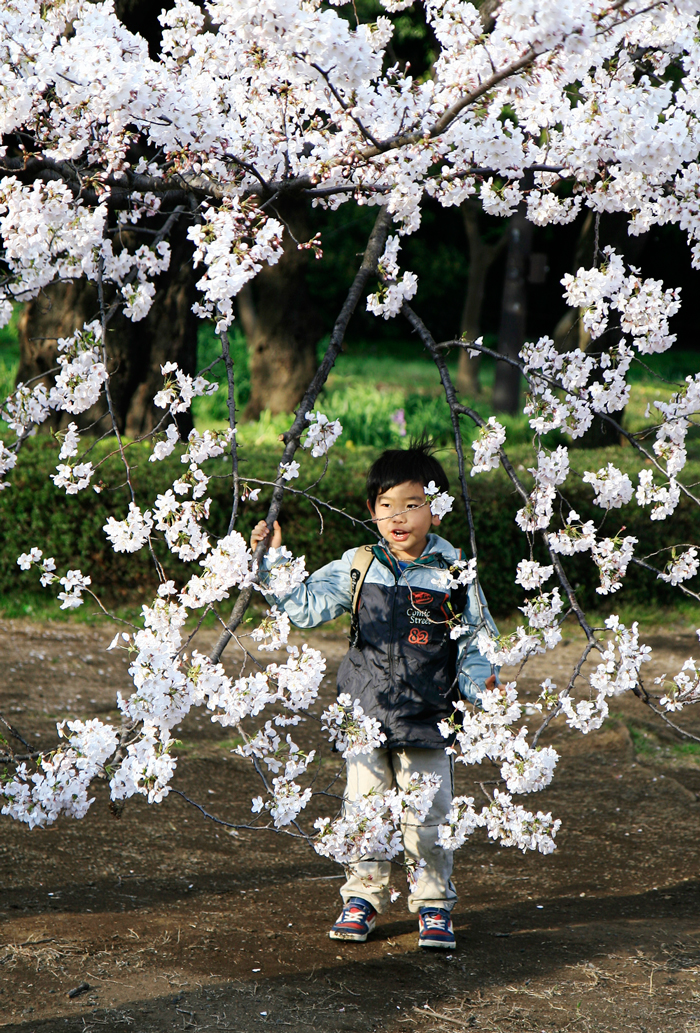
(421, 598)
(417, 637)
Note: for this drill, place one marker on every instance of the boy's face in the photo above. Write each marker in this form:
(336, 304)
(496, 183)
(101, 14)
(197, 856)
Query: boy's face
(404, 519)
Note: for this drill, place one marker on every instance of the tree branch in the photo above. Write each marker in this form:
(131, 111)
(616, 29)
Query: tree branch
(368, 267)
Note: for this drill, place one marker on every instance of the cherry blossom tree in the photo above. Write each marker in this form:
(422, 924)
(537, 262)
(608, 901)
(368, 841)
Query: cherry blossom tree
(550, 108)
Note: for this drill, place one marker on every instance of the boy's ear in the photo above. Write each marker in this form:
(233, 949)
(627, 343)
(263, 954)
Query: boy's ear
(370, 507)
(435, 520)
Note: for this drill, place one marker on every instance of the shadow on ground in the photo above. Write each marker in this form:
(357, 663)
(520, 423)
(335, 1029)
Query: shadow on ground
(173, 924)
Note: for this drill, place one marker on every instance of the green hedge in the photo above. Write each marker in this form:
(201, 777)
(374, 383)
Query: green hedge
(34, 513)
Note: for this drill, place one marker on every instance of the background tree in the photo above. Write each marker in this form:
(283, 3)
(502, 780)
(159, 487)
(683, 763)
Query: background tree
(511, 335)
(136, 350)
(482, 255)
(281, 325)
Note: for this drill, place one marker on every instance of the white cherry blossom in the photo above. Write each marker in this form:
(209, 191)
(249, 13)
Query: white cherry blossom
(352, 731)
(487, 445)
(613, 488)
(681, 568)
(322, 433)
(131, 534)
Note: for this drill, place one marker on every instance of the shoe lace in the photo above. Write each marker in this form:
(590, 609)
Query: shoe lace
(434, 920)
(353, 913)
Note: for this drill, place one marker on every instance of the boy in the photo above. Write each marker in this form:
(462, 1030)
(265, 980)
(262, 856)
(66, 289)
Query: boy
(402, 669)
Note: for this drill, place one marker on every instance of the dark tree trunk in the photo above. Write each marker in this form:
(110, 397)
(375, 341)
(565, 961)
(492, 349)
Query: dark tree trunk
(281, 328)
(171, 335)
(135, 350)
(481, 257)
(511, 335)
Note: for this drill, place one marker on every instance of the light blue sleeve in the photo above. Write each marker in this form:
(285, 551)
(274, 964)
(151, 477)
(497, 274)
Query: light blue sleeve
(324, 595)
(473, 668)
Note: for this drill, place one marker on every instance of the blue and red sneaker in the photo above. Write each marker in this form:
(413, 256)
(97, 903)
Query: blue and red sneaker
(435, 928)
(356, 922)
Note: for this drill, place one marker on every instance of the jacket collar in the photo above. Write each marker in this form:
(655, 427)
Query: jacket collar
(436, 552)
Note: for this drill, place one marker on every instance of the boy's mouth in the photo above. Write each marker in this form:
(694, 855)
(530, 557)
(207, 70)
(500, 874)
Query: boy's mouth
(399, 536)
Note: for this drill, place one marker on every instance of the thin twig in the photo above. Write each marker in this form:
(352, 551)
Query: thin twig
(231, 401)
(14, 732)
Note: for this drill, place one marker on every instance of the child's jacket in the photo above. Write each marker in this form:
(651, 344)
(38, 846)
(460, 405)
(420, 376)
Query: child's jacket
(403, 669)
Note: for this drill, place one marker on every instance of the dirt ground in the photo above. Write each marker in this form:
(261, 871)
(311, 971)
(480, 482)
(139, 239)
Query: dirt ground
(175, 924)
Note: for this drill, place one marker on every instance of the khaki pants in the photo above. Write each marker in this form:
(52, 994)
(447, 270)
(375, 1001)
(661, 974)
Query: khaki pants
(381, 770)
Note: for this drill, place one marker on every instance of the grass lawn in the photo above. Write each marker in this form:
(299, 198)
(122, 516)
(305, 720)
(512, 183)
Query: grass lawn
(373, 383)
(385, 391)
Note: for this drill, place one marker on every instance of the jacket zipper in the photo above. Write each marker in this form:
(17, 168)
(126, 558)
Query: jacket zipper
(391, 635)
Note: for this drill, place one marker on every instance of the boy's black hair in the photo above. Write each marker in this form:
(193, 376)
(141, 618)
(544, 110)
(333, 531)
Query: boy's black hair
(398, 465)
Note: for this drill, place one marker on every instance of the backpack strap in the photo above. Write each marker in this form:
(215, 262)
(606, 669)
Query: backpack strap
(361, 562)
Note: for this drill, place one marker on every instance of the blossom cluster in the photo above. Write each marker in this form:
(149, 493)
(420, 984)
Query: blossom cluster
(74, 582)
(396, 287)
(503, 820)
(681, 568)
(618, 672)
(440, 501)
(612, 556)
(178, 391)
(644, 307)
(613, 488)
(286, 799)
(350, 729)
(370, 826)
(232, 242)
(487, 734)
(683, 689)
(274, 626)
(285, 573)
(458, 574)
(77, 387)
(665, 498)
(552, 470)
(487, 446)
(61, 783)
(322, 433)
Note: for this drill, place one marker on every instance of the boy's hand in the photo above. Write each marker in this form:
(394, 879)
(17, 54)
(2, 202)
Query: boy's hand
(490, 682)
(261, 531)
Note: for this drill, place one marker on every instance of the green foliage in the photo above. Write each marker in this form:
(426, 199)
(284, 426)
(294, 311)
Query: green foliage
(214, 408)
(671, 365)
(9, 354)
(369, 384)
(34, 513)
(369, 416)
(650, 747)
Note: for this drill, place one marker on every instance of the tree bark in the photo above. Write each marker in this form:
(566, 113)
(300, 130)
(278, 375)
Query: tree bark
(511, 335)
(135, 350)
(281, 328)
(481, 257)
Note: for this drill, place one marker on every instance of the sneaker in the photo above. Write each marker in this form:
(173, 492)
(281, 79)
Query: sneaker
(435, 928)
(356, 922)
